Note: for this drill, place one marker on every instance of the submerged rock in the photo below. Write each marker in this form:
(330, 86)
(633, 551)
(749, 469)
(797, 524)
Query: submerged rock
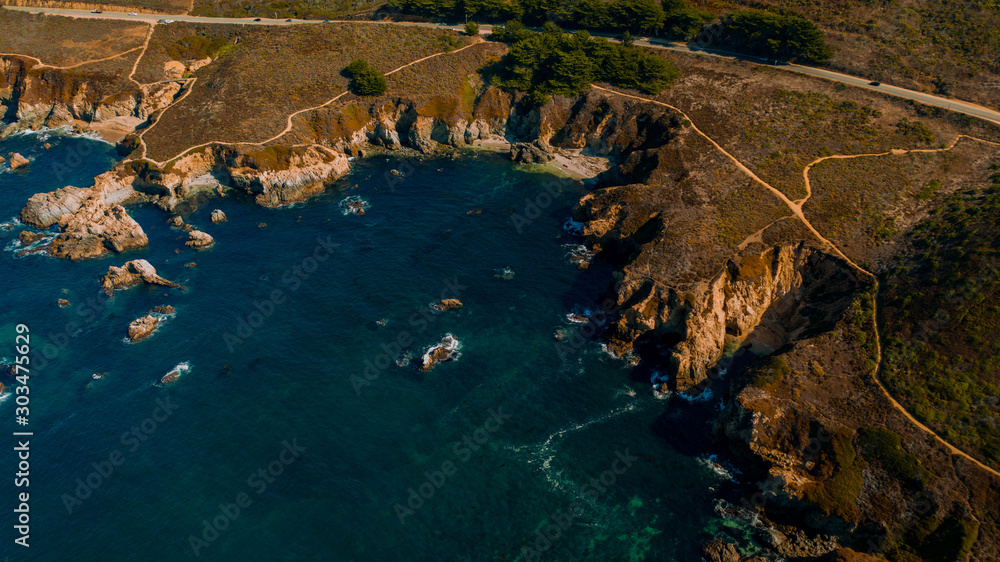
(218, 216)
(448, 304)
(444, 350)
(131, 274)
(142, 328)
(199, 240)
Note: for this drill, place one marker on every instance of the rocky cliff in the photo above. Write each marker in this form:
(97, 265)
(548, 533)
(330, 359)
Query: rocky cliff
(33, 96)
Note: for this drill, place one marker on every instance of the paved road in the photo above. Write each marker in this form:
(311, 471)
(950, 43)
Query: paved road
(945, 103)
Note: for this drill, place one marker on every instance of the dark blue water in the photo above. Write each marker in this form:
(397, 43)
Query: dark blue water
(303, 388)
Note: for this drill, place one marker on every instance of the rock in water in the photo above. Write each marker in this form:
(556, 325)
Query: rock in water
(165, 309)
(94, 229)
(199, 240)
(720, 551)
(28, 238)
(142, 328)
(448, 304)
(444, 350)
(17, 161)
(537, 152)
(176, 221)
(131, 274)
(63, 303)
(218, 216)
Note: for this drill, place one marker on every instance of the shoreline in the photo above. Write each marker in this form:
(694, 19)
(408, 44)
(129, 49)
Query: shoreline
(567, 162)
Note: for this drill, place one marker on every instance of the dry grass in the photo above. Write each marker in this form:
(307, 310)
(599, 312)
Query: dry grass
(247, 95)
(444, 87)
(63, 41)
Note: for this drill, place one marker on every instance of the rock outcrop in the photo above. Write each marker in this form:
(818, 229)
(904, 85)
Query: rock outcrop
(142, 328)
(536, 152)
(16, 161)
(199, 240)
(135, 272)
(447, 304)
(54, 98)
(218, 216)
(26, 237)
(94, 230)
(444, 350)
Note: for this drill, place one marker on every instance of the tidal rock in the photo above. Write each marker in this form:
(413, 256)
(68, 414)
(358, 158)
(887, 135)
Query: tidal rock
(199, 240)
(131, 274)
(720, 551)
(94, 229)
(175, 373)
(448, 304)
(63, 303)
(218, 216)
(537, 152)
(356, 207)
(17, 161)
(142, 328)
(176, 221)
(27, 237)
(444, 350)
(165, 309)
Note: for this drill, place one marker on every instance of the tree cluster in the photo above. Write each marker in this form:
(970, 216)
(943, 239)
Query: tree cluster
(674, 17)
(781, 36)
(554, 62)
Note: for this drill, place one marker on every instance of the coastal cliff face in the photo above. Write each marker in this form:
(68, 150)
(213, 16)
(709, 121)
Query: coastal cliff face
(314, 157)
(32, 97)
(706, 262)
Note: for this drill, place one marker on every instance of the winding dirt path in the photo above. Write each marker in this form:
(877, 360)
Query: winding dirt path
(145, 47)
(289, 122)
(72, 66)
(796, 208)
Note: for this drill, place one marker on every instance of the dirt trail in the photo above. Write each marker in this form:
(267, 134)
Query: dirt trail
(796, 208)
(289, 124)
(72, 66)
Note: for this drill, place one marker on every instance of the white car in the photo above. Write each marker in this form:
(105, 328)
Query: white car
(168, 21)
(95, 11)
(133, 14)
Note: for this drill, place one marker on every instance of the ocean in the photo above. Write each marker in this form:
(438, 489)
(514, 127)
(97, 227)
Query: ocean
(301, 426)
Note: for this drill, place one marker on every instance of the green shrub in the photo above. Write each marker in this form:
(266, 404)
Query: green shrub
(472, 29)
(838, 494)
(365, 80)
(775, 370)
(884, 445)
(929, 190)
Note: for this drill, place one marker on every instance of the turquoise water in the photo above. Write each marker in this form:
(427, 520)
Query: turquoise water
(341, 492)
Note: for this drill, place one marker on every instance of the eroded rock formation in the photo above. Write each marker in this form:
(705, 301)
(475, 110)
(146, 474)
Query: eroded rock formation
(135, 272)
